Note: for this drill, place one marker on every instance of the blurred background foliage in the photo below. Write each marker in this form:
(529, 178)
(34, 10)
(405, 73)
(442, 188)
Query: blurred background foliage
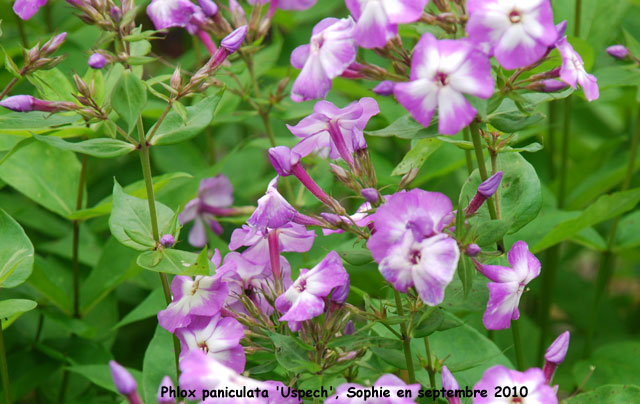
(50, 351)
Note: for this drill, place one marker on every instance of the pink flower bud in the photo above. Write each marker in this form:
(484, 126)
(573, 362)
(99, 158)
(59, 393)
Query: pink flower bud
(384, 88)
(97, 61)
(167, 240)
(115, 13)
(349, 328)
(555, 355)
(490, 185)
(618, 51)
(473, 250)
(209, 8)
(371, 195)
(124, 382)
(233, 41)
(54, 43)
(19, 103)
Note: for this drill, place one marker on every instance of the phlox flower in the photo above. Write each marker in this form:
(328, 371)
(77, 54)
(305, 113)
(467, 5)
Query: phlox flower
(572, 71)
(175, 13)
(292, 237)
(215, 195)
(336, 132)
(442, 71)
(507, 285)
(387, 382)
(273, 209)
(25, 9)
(304, 299)
(538, 392)
(518, 32)
(217, 336)
(377, 20)
(330, 52)
(202, 296)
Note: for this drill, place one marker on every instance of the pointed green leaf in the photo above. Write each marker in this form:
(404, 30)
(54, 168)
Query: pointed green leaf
(128, 98)
(16, 252)
(102, 148)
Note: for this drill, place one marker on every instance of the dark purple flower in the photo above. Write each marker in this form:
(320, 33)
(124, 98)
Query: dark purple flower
(518, 33)
(538, 391)
(97, 61)
(377, 21)
(507, 285)
(555, 355)
(329, 53)
(215, 195)
(618, 51)
(442, 71)
(202, 296)
(303, 300)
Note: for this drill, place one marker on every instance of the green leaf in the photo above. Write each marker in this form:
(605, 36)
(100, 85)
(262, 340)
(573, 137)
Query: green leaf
(290, 355)
(519, 193)
(174, 129)
(354, 254)
(606, 207)
(52, 85)
(33, 121)
(47, 175)
(429, 324)
(617, 362)
(137, 189)
(158, 362)
(16, 252)
(130, 221)
(177, 262)
(102, 147)
(100, 375)
(609, 394)
(129, 98)
(406, 128)
(10, 65)
(11, 309)
(149, 307)
(419, 153)
(628, 235)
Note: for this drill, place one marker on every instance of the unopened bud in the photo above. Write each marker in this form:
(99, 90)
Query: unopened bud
(548, 86)
(555, 354)
(53, 44)
(124, 382)
(167, 240)
(408, 178)
(176, 79)
(371, 195)
(82, 87)
(97, 61)
(349, 328)
(332, 219)
(490, 185)
(238, 15)
(116, 14)
(618, 51)
(234, 40)
(473, 250)
(340, 173)
(384, 88)
(209, 8)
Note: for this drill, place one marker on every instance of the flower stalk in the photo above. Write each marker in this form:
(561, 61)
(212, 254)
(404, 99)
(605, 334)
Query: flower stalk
(517, 343)
(406, 339)
(4, 369)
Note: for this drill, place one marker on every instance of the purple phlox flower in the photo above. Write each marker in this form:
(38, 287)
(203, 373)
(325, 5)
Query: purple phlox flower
(409, 245)
(387, 382)
(361, 218)
(533, 379)
(218, 337)
(167, 240)
(336, 132)
(519, 33)
(330, 52)
(486, 189)
(164, 396)
(555, 355)
(273, 210)
(340, 293)
(507, 285)
(201, 372)
(215, 195)
(202, 296)
(97, 61)
(572, 71)
(618, 51)
(442, 71)
(450, 383)
(292, 237)
(303, 300)
(122, 379)
(377, 21)
(25, 9)
(171, 13)
(384, 88)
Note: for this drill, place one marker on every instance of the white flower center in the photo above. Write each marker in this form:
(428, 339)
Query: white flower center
(515, 17)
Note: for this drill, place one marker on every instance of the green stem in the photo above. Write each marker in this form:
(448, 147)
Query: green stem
(550, 144)
(517, 342)
(406, 339)
(467, 153)
(148, 180)
(21, 31)
(430, 369)
(76, 240)
(578, 18)
(267, 126)
(607, 260)
(8, 87)
(482, 168)
(564, 158)
(6, 386)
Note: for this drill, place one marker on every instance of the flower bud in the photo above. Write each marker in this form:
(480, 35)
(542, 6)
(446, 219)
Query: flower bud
(82, 87)
(115, 13)
(618, 51)
(165, 398)
(167, 240)
(233, 41)
(238, 15)
(490, 185)
(349, 328)
(332, 219)
(371, 195)
(384, 87)
(555, 355)
(548, 86)
(473, 250)
(209, 8)
(19, 103)
(97, 61)
(53, 44)
(124, 382)
(408, 178)
(176, 79)
(339, 172)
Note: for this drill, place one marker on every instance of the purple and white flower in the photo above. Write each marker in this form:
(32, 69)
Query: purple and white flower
(450, 383)
(25, 9)
(507, 285)
(304, 299)
(273, 210)
(377, 21)
(215, 195)
(518, 33)
(292, 237)
(172, 13)
(387, 382)
(329, 53)
(442, 71)
(217, 336)
(202, 296)
(336, 132)
(572, 71)
(533, 379)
